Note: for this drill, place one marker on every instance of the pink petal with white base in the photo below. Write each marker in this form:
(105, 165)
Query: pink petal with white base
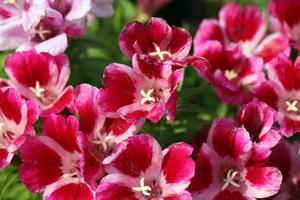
(263, 181)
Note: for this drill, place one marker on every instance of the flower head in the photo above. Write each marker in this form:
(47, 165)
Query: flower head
(222, 168)
(60, 153)
(17, 117)
(41, 77)
(246, 28)
(146, 91)
(149, 174)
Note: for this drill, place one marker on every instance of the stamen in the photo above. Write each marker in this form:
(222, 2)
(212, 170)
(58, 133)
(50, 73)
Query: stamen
(230, 74)
(38, 90)
(230, 180)
(102, 140)
(246, 48)
(147, 96)
(291, 106)
(42, 32)
(145, 189)
(158, 52)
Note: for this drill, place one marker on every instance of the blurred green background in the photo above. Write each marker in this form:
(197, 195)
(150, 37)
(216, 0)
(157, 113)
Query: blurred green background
(197, 102)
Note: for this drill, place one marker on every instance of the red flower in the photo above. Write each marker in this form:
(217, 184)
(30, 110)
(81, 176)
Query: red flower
(245, 27)
(102, 133)
(160, 43)
(222, 168)
(258, 119)
(286, 18)
(41, 77)
(149, 174)
(146, 91)
(281, 92)
(231, 73)
(56, 164)
(16, 122)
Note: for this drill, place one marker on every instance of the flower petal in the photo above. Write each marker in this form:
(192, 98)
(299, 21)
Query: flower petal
(262, 182)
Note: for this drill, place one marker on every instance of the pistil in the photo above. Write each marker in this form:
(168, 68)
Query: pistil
(230, 179)
(158, 52)
(144, 189)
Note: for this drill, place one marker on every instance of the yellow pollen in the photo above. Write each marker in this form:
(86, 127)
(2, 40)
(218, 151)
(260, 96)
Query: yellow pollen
(147, 96)
(143, 188)
(38, 90)
(291, 106)
(230, 74)
(158, 52)
(230, 180)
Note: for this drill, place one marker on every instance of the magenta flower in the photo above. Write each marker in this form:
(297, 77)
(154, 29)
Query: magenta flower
(230, 72)
(286, 18)
(41, 77)
(285, 156)
(149, 174)
(146, 91)
(222, 168)
(247, 28)
(160, 43)
(258, 119)
(280, 92)
(102, 133)
(56, 164)
(151, 6)
(16, 122)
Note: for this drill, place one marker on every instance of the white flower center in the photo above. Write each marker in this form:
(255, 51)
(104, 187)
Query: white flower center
(230, 179)
(42, 32)
(246, 48)
(102, 139)
(38, 90)
(144, 189)
(147, 98)
(158, 52)
(291, 106)
(230, 74)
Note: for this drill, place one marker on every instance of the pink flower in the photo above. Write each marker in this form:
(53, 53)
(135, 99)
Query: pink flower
(149, 174)
(102, 133)
(160, 43)
(146, 91)
(45, 24)
(258, 119)
(16, 122)
(151, 6)
(222, 168)
(56, 164)
(230, 72)
(245, 27)
(41, 77)
(102, 8)
(281, 92)
(286, 18)
(16, 17)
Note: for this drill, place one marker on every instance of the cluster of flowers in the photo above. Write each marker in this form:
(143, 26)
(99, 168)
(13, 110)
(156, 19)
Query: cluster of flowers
(89, 147)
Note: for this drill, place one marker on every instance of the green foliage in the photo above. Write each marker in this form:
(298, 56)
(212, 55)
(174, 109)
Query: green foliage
(11, 187)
